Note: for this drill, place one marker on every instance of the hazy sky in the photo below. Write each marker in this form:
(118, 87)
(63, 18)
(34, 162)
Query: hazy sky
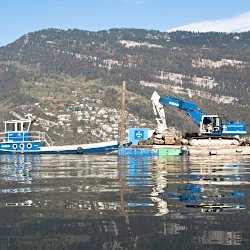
(18, 17)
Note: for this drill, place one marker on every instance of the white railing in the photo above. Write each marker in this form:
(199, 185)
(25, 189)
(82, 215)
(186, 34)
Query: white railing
(24, 137)
(44, 137)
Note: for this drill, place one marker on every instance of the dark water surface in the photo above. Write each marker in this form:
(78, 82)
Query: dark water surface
(110, 202)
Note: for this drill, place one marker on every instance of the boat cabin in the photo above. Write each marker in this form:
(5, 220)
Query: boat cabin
(17, 130)
(18, 125)
(18, 137)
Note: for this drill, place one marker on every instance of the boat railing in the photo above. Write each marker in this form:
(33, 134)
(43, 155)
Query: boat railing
(44, 137)
(25, 137)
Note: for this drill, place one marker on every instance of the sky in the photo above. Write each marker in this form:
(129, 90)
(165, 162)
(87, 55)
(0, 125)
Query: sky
(19, 17)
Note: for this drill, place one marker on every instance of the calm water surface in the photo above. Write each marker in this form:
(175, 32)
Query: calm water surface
(110, 202)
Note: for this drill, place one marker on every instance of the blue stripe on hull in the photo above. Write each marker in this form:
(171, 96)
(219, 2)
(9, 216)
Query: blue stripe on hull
(102, 150)
(99, 150)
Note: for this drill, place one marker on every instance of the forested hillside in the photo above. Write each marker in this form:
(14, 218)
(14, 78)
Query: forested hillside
(71, 80)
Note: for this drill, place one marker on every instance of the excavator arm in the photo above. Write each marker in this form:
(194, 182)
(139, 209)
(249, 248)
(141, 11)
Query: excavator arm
(190, 108)
(159, 112)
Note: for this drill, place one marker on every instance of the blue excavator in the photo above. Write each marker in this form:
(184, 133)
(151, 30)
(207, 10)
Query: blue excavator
(212, 128)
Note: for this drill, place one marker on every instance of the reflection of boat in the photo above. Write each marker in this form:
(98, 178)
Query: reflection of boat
(18, 138)
(19, 168)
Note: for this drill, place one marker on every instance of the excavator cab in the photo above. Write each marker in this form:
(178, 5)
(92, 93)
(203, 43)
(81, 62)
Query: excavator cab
(211, 124)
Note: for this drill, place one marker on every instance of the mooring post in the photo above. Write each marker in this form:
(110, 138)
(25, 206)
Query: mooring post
(122, 114)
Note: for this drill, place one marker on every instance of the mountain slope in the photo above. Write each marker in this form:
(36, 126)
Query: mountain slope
(61, 71)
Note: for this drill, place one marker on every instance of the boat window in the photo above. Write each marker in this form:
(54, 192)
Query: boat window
(10, 126)
(26, 126)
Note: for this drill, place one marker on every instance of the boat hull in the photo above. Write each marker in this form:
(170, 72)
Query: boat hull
(36, 148)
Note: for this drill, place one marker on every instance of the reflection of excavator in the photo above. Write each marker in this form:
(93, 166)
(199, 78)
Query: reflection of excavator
(212, 128)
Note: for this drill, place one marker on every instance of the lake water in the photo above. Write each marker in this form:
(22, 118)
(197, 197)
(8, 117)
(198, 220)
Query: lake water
(110, 202)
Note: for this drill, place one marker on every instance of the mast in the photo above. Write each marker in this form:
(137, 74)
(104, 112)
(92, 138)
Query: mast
(122, 113)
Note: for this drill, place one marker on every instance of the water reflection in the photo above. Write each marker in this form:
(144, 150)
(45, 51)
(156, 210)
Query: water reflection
(20, 171)
(109, 202)
(226, 238)
(207, 187)
(141, 175)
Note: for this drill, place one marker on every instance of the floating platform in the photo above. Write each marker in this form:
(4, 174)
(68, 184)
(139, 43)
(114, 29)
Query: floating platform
(154, 150)
(227, 150)
(149, 151)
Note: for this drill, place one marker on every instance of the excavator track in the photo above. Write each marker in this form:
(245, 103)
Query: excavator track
(213, 141)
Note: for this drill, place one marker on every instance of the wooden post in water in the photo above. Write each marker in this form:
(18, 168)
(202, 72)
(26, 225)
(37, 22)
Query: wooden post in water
(122, 124)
